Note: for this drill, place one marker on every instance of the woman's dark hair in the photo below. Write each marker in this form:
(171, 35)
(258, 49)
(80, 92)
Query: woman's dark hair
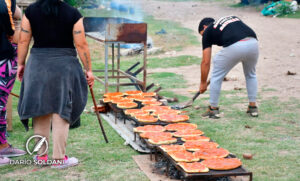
(205, 21)
(49, 7)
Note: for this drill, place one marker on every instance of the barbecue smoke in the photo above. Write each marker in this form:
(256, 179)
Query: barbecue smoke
(123, 8)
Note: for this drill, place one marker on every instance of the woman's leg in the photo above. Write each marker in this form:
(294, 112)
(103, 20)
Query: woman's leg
(42, 126)
(60, 131)
(8, 70)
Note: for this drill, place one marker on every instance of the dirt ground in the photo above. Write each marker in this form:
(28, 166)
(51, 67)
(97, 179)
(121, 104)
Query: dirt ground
(279, 41)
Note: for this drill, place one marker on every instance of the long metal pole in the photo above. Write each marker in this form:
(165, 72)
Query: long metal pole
(118, 67)
(98, 115)
(145, 67)
(106, 67)
(113, 59)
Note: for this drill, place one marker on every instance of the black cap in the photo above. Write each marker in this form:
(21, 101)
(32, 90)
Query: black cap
(205, 21)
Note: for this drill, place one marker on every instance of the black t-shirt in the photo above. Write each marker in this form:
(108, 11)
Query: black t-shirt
(51, 31)
(225, 32)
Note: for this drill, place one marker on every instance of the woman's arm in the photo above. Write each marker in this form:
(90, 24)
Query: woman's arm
(18, 13)
(17, 21)
(83, 50)
(24, 41)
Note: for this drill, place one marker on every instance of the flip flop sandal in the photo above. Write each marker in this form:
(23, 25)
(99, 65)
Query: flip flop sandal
(252, 111)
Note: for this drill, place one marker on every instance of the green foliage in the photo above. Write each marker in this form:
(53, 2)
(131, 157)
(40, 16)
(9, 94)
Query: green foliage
(284, 8)
(293, 15)
(75, 3)
(82, 3)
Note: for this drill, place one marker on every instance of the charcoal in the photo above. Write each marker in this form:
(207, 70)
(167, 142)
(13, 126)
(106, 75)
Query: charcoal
(223, 179)
(160, 164)
(174, 173)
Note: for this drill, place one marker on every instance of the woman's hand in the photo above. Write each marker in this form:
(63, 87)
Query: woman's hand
(90, 78)
(20, 72)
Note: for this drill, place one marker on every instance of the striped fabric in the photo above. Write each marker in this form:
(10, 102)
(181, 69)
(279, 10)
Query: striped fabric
(8, 71)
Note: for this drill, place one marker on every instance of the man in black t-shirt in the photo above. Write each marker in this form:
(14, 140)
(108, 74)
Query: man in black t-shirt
(240, 45)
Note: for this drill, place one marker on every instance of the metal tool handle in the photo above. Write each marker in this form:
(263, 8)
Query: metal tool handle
(198, 93)
(98, 116)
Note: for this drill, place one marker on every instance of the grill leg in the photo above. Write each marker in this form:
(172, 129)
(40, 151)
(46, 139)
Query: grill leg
(145, 67)
(167, 169)
(113, 59)
(106, 68)
(134, 136)
(118, 67)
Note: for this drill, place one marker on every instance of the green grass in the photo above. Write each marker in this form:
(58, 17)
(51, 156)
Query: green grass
(173, 61)
(294, 15)
(176, 36)
(155, 62)
(168, 80)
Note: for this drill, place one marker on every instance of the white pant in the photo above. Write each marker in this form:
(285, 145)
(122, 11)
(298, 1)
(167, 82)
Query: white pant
(245, 51)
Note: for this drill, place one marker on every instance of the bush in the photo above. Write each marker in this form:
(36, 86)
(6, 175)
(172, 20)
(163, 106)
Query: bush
(75, 3)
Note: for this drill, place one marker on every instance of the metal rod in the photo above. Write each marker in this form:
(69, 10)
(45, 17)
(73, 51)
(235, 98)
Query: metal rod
(158, 89)
(145, 67)
(138, 71)
(118, 67)
(134, 136)
(121, 77)
(98, 115)
(132, 67)
(113, 59)
(104, 70)
(130, 76)
(123, 84)
(149, 86)
(106, 67)
(100, 80)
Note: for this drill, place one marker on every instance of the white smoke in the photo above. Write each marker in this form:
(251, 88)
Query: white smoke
(123, 8)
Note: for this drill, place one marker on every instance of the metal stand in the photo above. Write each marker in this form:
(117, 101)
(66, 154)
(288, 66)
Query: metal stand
(117, 31)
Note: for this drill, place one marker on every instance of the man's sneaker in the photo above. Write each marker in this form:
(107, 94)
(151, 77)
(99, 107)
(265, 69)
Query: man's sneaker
(68, 162)
(11, 152)
(252, 111)
(4, 161)
(212, 113)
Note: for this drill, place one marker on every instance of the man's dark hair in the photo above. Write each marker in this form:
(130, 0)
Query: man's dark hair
(49, 7)
(205, 21)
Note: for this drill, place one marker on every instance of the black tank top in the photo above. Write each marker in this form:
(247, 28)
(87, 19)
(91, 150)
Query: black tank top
(51, 31)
